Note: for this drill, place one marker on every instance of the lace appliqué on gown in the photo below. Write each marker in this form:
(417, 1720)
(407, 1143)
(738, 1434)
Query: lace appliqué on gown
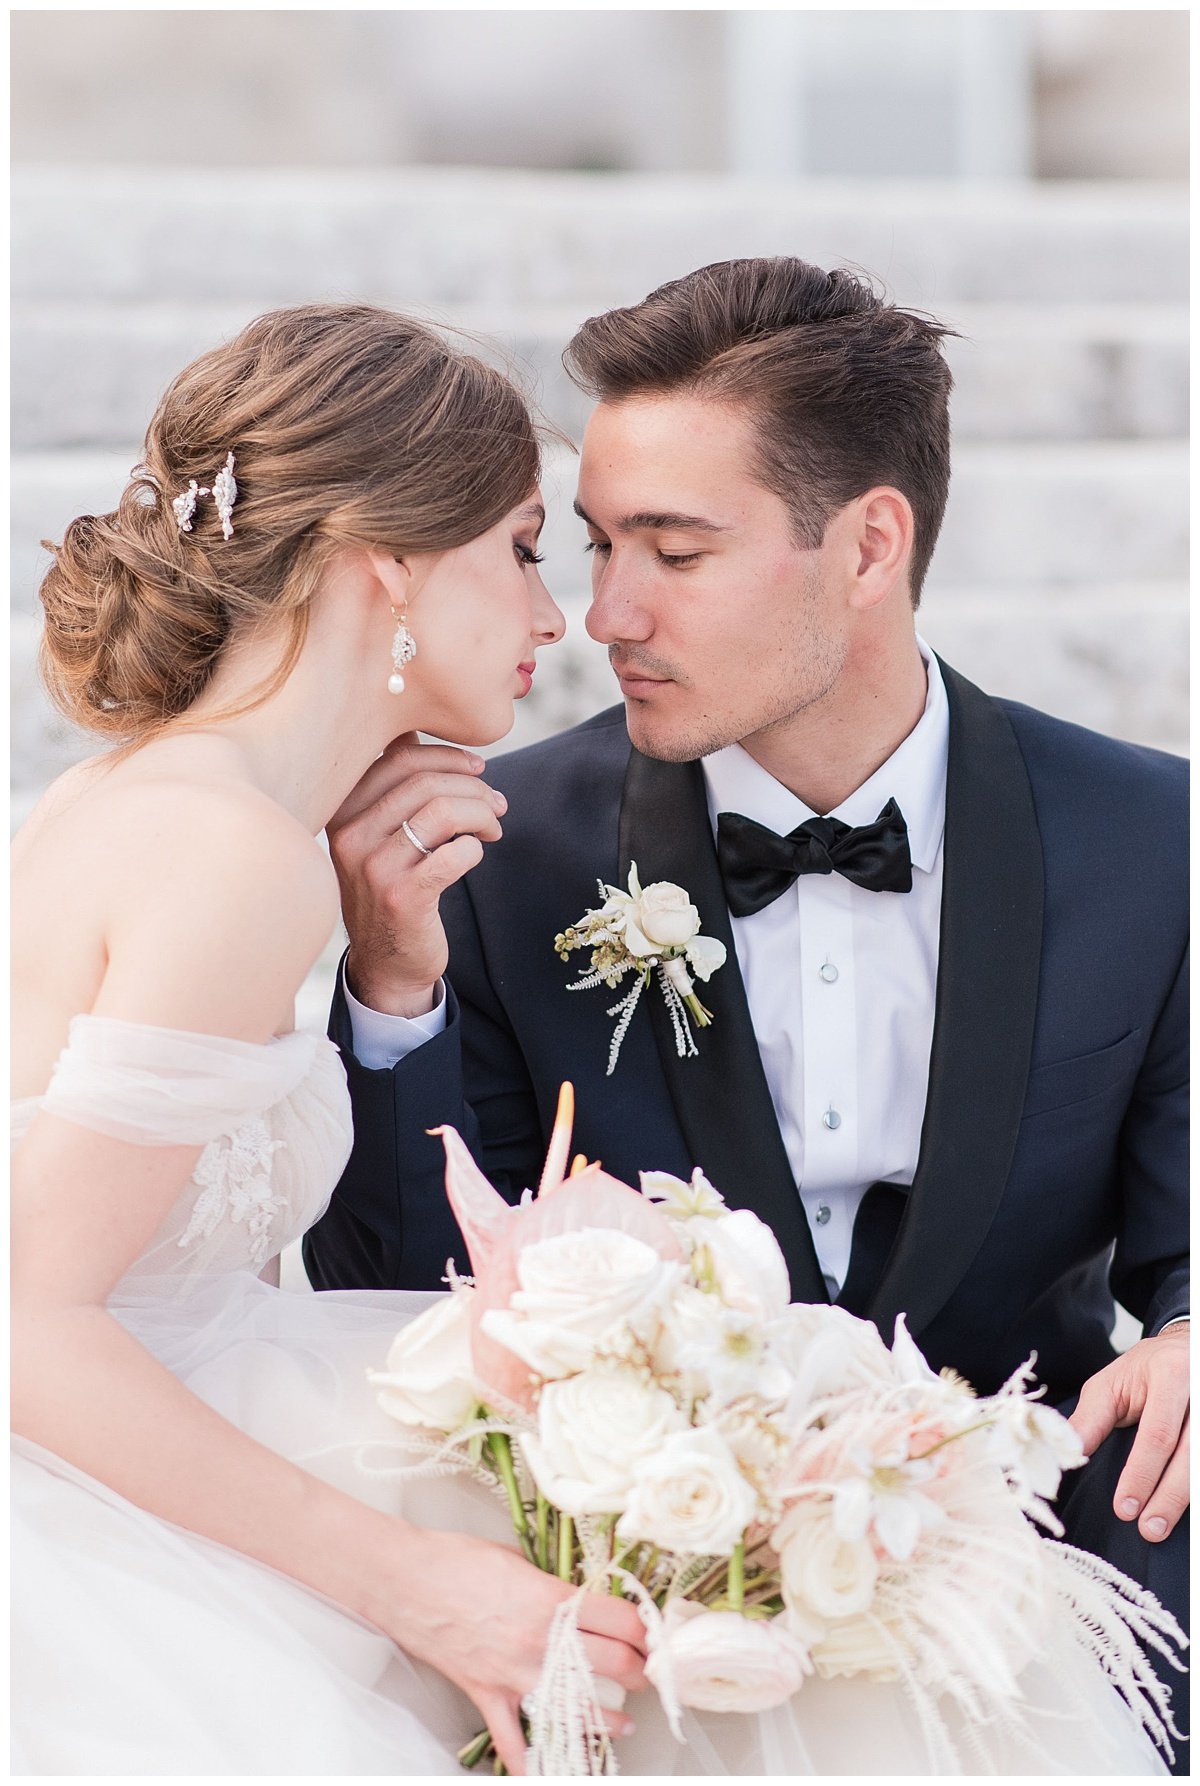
(234, 1173)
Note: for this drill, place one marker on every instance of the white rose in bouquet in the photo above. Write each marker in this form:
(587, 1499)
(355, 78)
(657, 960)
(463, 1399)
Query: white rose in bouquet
(723, 1662)
(748, 1269)
(822, 1572)
(596, 1432)
(428, 1380)
(579, 1293)
(689, 1497)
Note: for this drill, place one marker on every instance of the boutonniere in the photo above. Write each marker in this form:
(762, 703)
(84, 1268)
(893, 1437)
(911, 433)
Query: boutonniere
(648, 930)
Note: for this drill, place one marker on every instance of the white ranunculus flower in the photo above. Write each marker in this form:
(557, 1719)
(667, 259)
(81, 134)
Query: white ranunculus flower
(823, 1573)
(743, 1259)
(690, 1497)
(723, 1662)
(578, 1293)
(429, 1379)
(596, 1432)
(666, 916)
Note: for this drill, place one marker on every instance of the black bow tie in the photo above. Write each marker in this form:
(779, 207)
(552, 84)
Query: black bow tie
(757, 864)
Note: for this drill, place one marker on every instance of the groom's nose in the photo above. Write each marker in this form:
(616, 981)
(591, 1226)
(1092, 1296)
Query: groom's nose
(617, 611)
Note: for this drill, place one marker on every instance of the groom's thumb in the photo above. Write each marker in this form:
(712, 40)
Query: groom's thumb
(1095, 1413)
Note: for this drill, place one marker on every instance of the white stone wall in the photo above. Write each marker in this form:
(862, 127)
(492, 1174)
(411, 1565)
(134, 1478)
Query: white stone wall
(909, 92)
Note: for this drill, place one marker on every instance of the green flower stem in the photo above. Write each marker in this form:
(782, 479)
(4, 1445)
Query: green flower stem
(472, 1753)
(737, 1577)
(700, 1017)
(952, 1439)
(501, 1450)
(542, 1538)
(566, 1547)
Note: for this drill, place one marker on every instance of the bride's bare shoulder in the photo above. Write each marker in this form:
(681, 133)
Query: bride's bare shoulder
(162, 820)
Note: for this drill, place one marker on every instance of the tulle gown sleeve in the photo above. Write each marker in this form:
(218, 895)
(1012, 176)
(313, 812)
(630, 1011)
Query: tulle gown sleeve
(170, 1088)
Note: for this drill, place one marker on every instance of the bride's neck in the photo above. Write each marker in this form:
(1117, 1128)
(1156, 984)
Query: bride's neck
(308, 743)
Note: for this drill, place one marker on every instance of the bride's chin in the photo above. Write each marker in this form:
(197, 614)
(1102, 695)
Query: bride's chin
(478, 731)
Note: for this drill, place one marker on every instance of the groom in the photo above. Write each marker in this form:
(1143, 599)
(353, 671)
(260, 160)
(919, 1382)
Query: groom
(947, 1061)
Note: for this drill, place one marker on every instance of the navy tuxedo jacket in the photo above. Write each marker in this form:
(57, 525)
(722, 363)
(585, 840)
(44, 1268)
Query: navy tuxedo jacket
(1053, 1158)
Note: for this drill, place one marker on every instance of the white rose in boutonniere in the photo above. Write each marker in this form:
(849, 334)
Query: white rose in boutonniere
(641, 931)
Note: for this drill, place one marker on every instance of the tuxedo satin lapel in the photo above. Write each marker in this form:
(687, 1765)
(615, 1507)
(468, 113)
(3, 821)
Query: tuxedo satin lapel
(986, 1003)
(721, 1097)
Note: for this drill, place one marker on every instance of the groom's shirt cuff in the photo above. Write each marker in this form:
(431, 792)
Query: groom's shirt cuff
(381, 1040)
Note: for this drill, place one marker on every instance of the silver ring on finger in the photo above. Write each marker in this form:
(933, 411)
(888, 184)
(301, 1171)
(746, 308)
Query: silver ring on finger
(413, 838)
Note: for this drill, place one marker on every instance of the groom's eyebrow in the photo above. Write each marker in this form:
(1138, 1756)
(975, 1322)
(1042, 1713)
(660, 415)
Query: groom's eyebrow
(654, 520)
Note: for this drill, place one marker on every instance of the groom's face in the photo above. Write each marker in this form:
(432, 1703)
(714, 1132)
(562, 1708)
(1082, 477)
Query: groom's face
(718, 625)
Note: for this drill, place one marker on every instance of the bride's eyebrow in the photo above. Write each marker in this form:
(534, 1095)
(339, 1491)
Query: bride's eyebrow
(655, 520)
(533, 511)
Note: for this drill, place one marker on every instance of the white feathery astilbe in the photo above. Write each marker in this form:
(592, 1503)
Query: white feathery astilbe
(1112, 1618)
(685, 1045)
(624, 1010)
(441, 1454)
(567, 1736)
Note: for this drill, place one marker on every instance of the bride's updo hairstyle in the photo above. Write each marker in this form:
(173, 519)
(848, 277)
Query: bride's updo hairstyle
(349, 425)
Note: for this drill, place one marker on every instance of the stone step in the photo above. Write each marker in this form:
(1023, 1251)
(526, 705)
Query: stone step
(459, 236)
(1036, 515)
(1113, 657)
(89, 374)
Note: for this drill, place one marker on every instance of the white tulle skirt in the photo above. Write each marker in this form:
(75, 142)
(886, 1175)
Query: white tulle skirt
(139, 1648)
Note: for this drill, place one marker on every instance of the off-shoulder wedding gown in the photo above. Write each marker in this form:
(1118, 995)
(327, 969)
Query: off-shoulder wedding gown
(140, 1648)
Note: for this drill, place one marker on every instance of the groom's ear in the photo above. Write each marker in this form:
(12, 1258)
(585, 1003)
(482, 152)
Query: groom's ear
(882, 531)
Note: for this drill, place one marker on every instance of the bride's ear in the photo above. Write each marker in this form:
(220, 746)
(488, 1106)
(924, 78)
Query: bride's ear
(394, 574)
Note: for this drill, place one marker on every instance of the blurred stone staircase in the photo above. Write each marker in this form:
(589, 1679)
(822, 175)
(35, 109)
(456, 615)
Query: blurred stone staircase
(1060, 577)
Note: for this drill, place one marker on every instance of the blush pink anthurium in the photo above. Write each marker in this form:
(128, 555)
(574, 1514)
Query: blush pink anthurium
(496, 1233)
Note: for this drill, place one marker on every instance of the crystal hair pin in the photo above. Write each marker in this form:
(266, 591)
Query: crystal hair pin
(224, 492)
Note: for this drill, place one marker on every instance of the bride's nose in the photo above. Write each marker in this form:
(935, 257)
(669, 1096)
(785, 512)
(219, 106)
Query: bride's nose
(549, 623)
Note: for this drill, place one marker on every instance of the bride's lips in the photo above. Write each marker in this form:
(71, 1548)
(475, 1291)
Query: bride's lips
(525, 672)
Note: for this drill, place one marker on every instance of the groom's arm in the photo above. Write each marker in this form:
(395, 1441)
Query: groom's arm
(1148, 1386)
(389, 1224)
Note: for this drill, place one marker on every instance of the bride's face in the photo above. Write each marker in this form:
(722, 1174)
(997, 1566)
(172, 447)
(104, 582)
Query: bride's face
(479, 614)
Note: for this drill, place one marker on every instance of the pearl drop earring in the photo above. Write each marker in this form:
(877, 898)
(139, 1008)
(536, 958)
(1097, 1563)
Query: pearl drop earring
(404, 649)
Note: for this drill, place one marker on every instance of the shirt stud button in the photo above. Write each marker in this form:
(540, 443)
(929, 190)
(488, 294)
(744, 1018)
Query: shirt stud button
(831, 1119)
(828, 972)
(823, 1214)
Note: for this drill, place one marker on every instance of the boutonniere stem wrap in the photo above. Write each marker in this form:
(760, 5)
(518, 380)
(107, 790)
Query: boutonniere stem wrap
(646, 931)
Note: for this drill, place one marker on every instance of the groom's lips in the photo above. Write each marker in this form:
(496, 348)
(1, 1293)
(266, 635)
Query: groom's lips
(525, 672)
(633, 682)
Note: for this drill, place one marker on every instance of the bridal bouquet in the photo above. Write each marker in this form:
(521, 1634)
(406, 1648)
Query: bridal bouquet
(782, 1493)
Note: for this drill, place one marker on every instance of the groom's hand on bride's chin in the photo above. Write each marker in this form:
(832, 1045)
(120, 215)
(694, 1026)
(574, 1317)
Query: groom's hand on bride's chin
(1147, 1387)
(391, 884)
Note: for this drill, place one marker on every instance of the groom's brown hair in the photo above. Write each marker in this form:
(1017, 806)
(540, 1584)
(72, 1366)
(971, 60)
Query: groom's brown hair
(847, 390)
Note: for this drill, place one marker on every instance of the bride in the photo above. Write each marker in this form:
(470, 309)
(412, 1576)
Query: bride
(187, 1597)
(331, 545)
